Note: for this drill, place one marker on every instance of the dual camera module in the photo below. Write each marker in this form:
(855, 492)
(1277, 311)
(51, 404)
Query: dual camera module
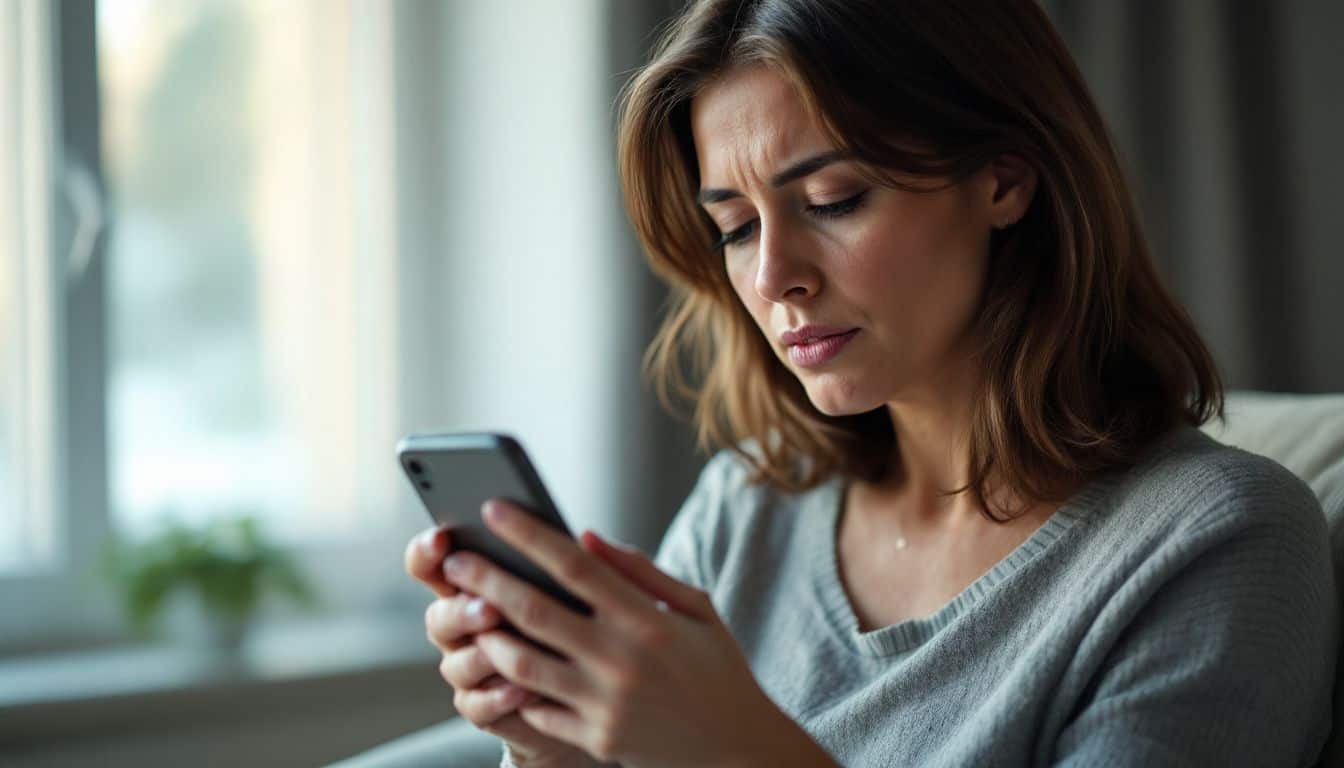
(420, 474)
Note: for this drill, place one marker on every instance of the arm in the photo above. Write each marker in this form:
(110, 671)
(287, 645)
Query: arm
(1229, 663)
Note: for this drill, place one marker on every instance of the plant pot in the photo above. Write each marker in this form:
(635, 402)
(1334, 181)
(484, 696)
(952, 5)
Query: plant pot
(225, 634)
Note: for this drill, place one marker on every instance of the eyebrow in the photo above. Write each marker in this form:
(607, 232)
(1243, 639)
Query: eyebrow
(798, 170)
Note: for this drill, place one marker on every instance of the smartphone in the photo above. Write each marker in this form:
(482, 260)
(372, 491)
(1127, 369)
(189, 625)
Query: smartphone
(454, 473)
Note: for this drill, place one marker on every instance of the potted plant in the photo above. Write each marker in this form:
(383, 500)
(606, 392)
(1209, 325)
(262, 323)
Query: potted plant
(229, 566)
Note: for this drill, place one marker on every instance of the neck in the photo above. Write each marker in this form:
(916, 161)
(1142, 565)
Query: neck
(932, 427)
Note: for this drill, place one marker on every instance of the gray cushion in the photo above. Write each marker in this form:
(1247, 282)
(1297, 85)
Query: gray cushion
(453, 744)
(1304, 433)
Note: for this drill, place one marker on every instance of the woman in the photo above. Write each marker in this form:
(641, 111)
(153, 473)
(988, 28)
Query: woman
(963, 515)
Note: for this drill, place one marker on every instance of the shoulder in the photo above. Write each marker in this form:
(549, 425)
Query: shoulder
(1211, 582)
(727, 496)
(1195, 484)
(1191, 498)
(726, 507)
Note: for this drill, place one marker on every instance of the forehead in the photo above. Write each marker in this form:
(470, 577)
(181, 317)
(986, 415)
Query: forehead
(749, 122)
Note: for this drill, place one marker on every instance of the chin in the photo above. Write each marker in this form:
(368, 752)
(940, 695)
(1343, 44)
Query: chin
(839, 396)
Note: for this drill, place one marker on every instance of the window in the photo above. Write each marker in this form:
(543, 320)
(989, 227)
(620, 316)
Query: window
(249, 363)
(281, 235)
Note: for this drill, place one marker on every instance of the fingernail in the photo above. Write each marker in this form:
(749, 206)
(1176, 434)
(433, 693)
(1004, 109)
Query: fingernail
(475, 608)
(452, 565)
(429, 541)
(494, 511)
(616, 543)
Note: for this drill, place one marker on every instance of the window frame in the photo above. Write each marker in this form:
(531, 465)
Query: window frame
(53, 604)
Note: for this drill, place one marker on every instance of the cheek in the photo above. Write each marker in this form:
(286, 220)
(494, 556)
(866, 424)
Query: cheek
(904, 264)
(743, 280)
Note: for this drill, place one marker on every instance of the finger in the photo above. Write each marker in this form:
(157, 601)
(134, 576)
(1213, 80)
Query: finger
(467, 667)
(513, 729)
(645, 574)
(450, 621)
(525, 665)
(423, 555)
(536, 614)
(561, 723)
(588, 577)
(483, 706)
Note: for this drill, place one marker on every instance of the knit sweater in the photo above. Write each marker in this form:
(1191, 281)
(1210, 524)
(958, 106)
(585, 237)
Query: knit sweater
(1181, 611)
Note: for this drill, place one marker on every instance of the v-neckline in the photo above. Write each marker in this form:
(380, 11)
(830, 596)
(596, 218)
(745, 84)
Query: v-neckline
(905, 636)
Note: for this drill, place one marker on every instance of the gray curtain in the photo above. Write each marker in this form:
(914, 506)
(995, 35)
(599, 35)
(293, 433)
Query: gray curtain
(1228, 117)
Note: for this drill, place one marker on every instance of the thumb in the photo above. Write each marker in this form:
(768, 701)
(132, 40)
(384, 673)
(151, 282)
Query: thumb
(637, 568)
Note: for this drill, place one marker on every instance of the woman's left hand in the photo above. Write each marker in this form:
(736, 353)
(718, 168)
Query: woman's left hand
(651, 678)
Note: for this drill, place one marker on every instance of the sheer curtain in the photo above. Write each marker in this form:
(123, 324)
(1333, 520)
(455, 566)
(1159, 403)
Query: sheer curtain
(30, 275)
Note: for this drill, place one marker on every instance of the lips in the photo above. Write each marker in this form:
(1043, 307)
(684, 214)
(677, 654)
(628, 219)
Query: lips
(813, 351)
(811, 333)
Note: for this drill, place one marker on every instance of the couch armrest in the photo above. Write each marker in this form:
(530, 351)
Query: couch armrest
(455, 743)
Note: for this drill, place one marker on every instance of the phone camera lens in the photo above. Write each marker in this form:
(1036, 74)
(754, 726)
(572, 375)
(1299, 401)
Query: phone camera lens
(424, 484)
(415, 467)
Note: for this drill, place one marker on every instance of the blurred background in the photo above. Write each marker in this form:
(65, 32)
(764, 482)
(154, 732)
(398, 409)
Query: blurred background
(245, 245)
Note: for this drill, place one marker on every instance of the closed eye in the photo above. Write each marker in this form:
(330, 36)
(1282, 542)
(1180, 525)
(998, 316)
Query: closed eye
(737, 235)
(828, 211)
(838, 208)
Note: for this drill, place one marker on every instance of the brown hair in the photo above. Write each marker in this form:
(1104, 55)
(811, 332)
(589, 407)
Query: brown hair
(1086, 357)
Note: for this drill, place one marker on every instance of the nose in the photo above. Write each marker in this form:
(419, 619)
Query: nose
(783, 269)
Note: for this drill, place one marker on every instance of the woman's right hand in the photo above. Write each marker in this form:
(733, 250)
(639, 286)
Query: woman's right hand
(480, 694)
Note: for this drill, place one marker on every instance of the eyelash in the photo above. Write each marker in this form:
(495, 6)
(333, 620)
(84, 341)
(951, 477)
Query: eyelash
(828, 211)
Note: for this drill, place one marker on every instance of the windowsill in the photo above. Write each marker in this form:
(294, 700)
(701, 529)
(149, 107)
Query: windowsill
(305, 693)
(294, 651)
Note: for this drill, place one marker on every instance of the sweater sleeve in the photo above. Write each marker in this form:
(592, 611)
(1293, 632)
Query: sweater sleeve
(1230, 659)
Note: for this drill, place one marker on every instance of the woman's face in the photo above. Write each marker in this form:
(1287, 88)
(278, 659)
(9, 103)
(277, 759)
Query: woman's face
(809, 242)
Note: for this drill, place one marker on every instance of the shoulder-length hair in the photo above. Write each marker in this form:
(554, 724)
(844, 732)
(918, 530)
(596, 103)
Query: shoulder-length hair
(1085, 357)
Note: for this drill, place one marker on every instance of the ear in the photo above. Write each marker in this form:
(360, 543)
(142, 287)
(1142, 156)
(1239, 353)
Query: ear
(1012, 185)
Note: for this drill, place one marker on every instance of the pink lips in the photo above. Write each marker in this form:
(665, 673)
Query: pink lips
(811, 345)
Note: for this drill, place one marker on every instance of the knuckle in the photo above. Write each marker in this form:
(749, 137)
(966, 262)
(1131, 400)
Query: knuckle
(451, 668)
(522, 667)
(476, 665)
(651, 634)
(473, 706)
(575, 568)
(438, 618)
(533, 612)
(462, 702)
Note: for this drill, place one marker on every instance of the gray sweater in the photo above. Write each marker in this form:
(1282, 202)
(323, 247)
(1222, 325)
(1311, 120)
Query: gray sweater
(1181, 612)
